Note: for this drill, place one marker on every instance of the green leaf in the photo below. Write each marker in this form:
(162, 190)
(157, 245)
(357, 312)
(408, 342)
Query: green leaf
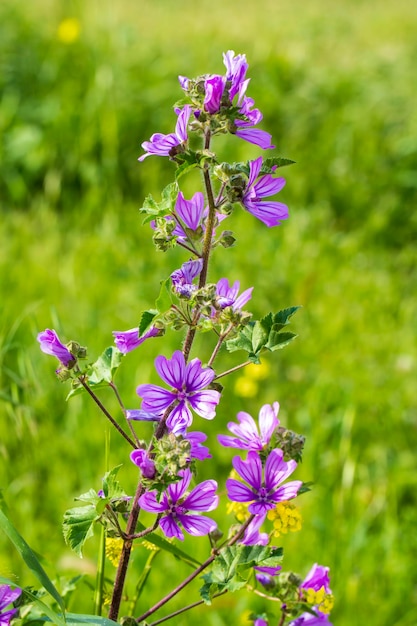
(146, 320)
(263, 334)
(30, 558)
(283, 317)
(90, 496)
(78, 526)
(102, 372)
(166, 206)
(277, 161)
(79, 618)
(111, 486)
(185, 168)
(233, 567)
(243, 341)
(277, 341)
(260, 335)
(104, 369)
(164, 300)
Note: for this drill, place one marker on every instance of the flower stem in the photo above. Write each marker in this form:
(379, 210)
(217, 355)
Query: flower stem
(125, 556)
(184, 609)
(195, 573)
(105, 411)
(233, 369)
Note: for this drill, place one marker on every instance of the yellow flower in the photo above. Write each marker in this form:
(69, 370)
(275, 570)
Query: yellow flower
(247, 385)
(69, 30)
(114, 548)
(149, 546)
(285, 517)
(322, 600)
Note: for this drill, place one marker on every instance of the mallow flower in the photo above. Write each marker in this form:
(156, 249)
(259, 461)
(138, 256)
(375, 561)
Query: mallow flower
(269, 212)
(227, 295)
(247, 435)
(188, 382)
(142, 460)
(51, 344)
(175, 506)
(265, 488)
(128, 340)
(182, 279)
(164, 145)
(244, 128)
(7, 596)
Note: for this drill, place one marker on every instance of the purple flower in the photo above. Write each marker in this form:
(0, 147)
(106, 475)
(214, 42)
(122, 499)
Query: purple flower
(7, 596)
(163, 145)
(198, 451)
(307, 619)
(214, 88)
(50, 344)
(188, 382)
(252, 536)
(190, 212)
(260, 622)
(247, 436)
(145, 464)
(175, 504)
(236, 68)
(228, 296)
(265, 575)
(252, 117)
(182, 279)
(142, 416)
(269, 212)
(264, 492)
(317, 578)
(128, 340)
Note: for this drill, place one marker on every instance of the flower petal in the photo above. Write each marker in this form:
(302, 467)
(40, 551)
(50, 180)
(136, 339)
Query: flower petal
(148, 502)
(268, 421)
(250, 470)
(170, 528)
(197, 377)
(178, 489)
(287, 491)
(197, 525)
(172, 371)
(238, 492)
(205, 402)
(276, 469)
(202, 497)
(155, 399)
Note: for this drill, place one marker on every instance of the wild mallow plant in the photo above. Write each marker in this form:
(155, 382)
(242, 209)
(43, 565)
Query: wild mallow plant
(164, 434)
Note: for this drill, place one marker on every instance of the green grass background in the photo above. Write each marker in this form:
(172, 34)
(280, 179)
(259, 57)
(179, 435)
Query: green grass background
(337, 85)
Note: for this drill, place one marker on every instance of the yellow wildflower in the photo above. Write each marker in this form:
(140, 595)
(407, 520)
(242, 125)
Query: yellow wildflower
(149, 546)
(285, 517)
(247, 385)
(320, 599)
(114, 546)
(69, 30)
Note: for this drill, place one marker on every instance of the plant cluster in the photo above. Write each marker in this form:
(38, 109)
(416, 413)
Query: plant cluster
(259, 496)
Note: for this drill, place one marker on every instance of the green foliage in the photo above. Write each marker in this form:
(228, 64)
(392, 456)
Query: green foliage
(265, 334)
(29, 558)
(337, 92)
(233, 567)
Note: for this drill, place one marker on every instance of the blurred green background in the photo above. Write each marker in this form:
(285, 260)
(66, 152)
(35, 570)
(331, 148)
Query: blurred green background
(338, 88)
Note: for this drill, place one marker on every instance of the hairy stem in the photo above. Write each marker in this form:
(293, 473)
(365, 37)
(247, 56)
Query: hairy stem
(233, 369)
(125, 556)
(105, 411)
(184, 609)
(195, 573)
